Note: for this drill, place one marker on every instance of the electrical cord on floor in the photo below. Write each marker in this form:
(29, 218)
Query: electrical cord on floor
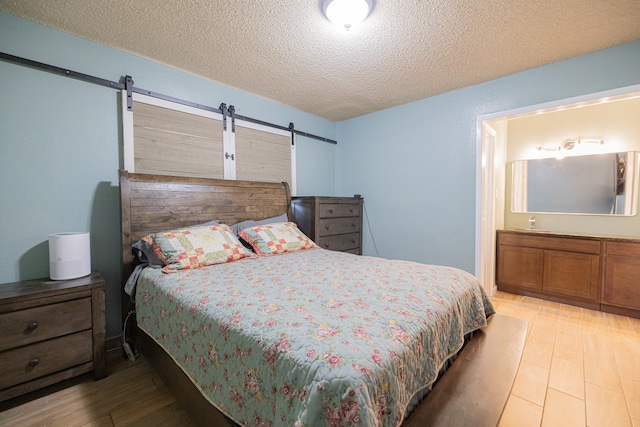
(373, 239)
(132, 354)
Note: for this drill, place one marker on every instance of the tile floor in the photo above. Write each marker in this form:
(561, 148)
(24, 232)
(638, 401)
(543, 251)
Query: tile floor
(579, 367)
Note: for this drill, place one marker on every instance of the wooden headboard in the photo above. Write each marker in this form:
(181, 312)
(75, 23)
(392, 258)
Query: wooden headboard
(151, 203)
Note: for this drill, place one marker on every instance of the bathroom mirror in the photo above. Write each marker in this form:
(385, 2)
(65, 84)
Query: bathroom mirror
(603, 184)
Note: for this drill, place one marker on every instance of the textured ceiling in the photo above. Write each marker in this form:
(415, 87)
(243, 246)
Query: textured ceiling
(287, 51)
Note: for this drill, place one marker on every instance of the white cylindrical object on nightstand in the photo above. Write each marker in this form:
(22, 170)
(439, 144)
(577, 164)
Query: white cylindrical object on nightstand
(69, 255)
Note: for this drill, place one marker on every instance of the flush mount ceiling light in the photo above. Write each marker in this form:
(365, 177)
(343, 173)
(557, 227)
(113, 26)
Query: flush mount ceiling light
(347, 13)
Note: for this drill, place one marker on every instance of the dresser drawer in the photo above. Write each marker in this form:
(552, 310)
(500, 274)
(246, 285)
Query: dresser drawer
(36, 360)
(41, 323)
(331, 226)
(336, 210)
(340, 242)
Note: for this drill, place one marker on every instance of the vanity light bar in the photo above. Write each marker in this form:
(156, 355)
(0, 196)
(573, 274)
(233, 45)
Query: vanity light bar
(569, 144)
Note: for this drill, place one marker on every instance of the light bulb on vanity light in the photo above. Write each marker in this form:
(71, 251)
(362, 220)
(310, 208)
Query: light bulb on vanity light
(591, 141)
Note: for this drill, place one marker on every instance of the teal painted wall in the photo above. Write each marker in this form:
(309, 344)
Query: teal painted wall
(60, 146)
(415, 164)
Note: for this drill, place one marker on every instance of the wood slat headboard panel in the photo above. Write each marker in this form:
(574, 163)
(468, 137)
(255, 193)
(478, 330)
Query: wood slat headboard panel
(152, 203)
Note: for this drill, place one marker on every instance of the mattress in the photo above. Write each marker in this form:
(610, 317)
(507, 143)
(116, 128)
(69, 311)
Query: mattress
(314, 337)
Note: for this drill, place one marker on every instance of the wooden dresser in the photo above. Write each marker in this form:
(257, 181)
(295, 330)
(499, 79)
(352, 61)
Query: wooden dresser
(334, 223)
(600, 273)
(51, 331)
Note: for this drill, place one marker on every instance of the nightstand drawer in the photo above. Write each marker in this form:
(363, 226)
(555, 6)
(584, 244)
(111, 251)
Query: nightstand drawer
(335, 210)
(340, 242)
(41, 323)
(50, 330)
(331, 226)
(27, 363)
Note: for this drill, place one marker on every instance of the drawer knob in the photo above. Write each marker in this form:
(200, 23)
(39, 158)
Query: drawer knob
(353, 240)
(350, 210)
(326, 245)
(353, 224)
(326, 227)
(330, 210)
(32, 326)
(34, 362)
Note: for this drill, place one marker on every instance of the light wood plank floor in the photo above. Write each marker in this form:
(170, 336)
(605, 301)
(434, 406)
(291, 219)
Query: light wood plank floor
(579, 367)
(132, 395)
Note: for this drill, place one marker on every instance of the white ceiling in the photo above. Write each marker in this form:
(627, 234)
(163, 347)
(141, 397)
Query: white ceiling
(287, 51)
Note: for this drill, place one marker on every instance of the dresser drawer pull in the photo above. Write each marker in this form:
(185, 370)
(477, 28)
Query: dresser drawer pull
(34, 362)
(326, 227)
(326, 245)
(32, 326)
(353, 240)
(353, 224)
(330, 210)
(350, 210)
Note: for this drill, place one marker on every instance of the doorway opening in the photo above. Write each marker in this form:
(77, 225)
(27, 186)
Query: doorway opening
(491, 167)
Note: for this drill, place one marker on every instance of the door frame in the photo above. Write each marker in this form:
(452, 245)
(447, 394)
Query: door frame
(486, 185)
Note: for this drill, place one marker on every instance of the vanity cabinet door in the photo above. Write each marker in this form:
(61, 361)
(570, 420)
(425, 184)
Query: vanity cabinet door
(621, 285)
(571, 273)
(559, 268)
(520, 267)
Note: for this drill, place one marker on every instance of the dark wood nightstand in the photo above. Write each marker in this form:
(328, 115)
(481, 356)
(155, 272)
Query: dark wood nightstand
(52, 330)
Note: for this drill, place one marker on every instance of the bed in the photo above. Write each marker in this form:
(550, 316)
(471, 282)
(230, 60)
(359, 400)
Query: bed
(308, 337)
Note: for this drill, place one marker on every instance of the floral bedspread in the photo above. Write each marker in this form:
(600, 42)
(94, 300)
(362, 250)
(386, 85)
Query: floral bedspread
(312, 338)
